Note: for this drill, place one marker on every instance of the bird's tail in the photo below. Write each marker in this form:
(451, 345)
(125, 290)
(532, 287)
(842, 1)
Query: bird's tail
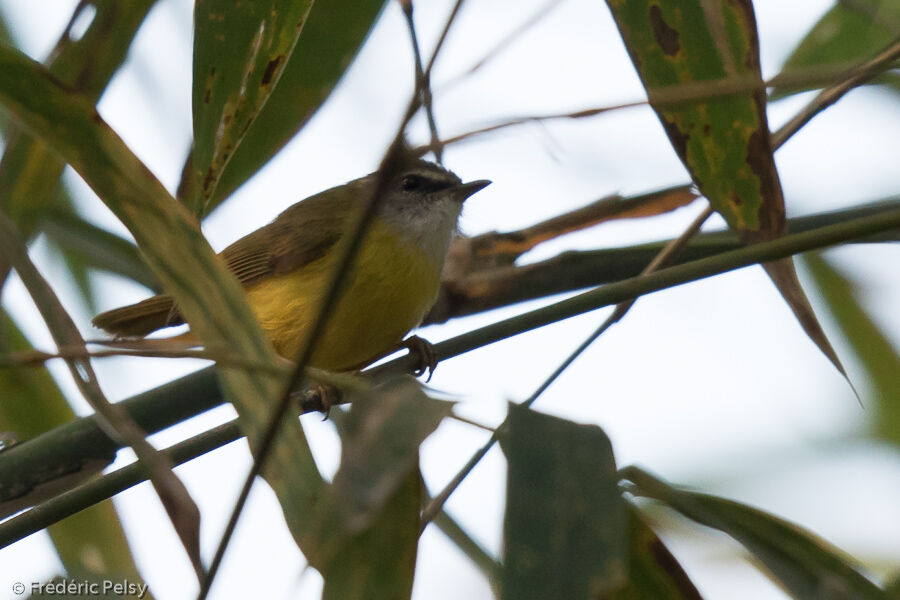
(138, 320)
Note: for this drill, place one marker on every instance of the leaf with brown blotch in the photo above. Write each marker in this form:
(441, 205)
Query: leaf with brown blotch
(332, 35)
(240, 50)
(724, 141)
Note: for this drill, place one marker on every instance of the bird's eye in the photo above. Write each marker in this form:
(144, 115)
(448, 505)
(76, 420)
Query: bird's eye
(411, 183)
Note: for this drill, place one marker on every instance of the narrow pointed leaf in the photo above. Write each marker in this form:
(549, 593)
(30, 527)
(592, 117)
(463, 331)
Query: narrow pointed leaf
(97, 248)
(872, 348)
(240, 51)
(652, 570)
(206, 293)
(849, 33)
(723, 141)
(91, 541)
(564, 532)
(806, 566)
(333, 34)
(179, 505)
(30, 170)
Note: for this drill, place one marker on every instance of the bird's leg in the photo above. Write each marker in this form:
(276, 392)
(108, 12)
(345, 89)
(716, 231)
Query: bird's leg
(318, 397)
(425, 351)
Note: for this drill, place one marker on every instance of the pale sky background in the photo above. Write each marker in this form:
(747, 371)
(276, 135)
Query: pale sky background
(712, 384)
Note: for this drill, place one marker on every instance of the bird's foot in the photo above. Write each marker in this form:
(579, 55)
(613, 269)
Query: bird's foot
(425, 351)
(318, 397)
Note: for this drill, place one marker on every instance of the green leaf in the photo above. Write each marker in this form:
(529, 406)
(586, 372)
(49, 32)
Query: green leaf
(380, 447)
(849, 33)
(96, 248)
(723, 141)
(805, 565)
(91, 541)
(892, 587)
(206, 293)
(240, 51)
(30, 171)
(653, 573)
(333, 34)
(565, 526)
(872, 348)
(182, 510)
(379, 562)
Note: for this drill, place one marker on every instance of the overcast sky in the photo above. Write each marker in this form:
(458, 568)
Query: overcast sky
(711, 384)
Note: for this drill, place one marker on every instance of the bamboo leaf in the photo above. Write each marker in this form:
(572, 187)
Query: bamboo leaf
(206, 293)
(29, 170)
(380, 447)
(652, 570)
(873, 349)
(806, 566)
(723, 142)
(91, 541)
(96, 248)
(565, 530)
(379, 562)
(333, 34)
(179, 505)
(240, 51)
(850, 32)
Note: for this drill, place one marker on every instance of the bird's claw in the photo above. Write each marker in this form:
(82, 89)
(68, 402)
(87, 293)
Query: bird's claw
(319, 397)
(425, 351)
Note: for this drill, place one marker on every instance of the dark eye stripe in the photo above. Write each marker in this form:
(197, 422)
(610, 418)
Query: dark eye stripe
(411, 183)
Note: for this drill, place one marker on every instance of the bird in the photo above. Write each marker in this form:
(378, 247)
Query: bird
(285, 266)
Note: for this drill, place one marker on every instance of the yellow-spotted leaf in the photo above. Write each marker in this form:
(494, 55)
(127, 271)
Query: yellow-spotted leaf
(240, 51)
(722, 138)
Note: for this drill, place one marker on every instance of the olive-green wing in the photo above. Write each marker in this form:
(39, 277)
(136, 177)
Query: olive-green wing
(300, 235)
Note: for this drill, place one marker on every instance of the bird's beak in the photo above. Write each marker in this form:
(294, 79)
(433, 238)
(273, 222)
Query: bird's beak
(464, 190)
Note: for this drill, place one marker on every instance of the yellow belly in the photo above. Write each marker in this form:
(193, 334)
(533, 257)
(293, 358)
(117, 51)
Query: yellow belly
(386, 295)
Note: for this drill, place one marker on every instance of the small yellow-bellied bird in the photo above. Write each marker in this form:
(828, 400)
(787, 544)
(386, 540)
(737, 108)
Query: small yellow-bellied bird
(286, 265)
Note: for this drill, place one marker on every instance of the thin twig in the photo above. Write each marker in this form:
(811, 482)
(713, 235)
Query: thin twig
(467, 421)
(687, 92)
(394, 158)
(389, 166)
(423, 83)
(669, 252)
(824, 99)
(38, 357)
(504, 43)
(99, 489)
(113, 419)
(821, 237)
(440, 43)
(854, 78)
